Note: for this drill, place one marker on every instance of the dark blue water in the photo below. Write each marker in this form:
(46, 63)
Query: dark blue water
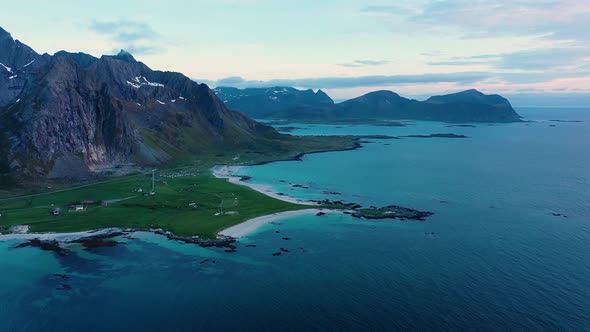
(493, 257)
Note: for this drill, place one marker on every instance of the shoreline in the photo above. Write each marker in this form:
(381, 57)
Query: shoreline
(223, 240)
(299, 157)
(250, 226)
(227, 172)
(61, 237)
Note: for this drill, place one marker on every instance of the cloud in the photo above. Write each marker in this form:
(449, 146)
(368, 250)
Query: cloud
(398, 9)
(571, 59)
(461, 79)
(431, 54)
(351, 82)
(364, 63)
(552, 19)
(134, 36)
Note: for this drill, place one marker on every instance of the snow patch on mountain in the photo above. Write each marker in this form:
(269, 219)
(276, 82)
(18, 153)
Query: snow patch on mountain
(6, 67)
(140, 81)
(28, 64)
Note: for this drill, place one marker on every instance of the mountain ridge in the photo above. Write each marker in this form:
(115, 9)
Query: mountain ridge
(465, 106)
(72, 113)
(257, 101)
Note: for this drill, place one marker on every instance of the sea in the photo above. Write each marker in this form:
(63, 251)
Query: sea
(508, 246)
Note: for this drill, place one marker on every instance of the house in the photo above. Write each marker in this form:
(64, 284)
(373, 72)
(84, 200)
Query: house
(56, 212)
(77, 207)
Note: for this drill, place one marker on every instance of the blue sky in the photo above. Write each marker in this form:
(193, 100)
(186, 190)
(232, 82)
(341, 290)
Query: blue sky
(416, 48)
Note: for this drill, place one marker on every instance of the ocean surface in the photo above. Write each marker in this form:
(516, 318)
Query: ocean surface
(493, 257)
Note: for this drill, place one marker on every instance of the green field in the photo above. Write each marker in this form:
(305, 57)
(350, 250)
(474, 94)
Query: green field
(186, 205)
(170, 208)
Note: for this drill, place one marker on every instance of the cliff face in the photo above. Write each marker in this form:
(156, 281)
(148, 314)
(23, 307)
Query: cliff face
(72, 112)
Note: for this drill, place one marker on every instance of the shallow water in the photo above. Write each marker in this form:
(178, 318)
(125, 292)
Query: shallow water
(493, 257)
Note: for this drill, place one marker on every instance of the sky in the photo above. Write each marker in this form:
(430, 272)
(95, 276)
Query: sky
(537, 52)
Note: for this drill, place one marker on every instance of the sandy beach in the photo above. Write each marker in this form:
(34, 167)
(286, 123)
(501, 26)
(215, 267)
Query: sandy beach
(227, 172)
(248, 227)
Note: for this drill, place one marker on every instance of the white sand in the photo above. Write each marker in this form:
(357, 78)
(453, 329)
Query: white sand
(62, 237)
(227, 172)
(248, 227)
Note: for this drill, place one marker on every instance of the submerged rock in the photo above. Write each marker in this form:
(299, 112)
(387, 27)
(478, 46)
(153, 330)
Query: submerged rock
(99, 241)
(64, 287)
(47, 245)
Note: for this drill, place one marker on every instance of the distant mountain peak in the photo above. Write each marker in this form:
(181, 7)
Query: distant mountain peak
(82, 59)
(382, 93)
(125, 56)
(471, 92)
(4, 34)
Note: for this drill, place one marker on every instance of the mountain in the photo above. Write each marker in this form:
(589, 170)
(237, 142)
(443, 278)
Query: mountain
(71, 113)
(466, 106)
(263, 102)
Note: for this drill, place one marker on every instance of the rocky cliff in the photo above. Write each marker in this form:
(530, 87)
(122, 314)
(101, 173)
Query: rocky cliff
(72, 112)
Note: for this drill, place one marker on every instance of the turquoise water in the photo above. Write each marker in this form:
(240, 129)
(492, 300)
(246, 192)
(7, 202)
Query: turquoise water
(493, 257)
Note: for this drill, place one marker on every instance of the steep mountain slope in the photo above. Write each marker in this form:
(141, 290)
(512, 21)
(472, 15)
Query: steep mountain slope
(262, 102)
(466, 106)
(69, 113)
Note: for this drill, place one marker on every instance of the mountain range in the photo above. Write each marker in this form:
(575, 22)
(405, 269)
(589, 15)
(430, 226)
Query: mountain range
(70, 114)
(67, 113)
(284, 103)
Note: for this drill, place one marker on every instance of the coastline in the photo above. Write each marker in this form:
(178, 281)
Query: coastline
(227, 172)
(250, 226)
(61, 237)
(226, 237)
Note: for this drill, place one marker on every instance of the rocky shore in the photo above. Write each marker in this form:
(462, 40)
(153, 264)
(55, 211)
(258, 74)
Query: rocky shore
(59, 243)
